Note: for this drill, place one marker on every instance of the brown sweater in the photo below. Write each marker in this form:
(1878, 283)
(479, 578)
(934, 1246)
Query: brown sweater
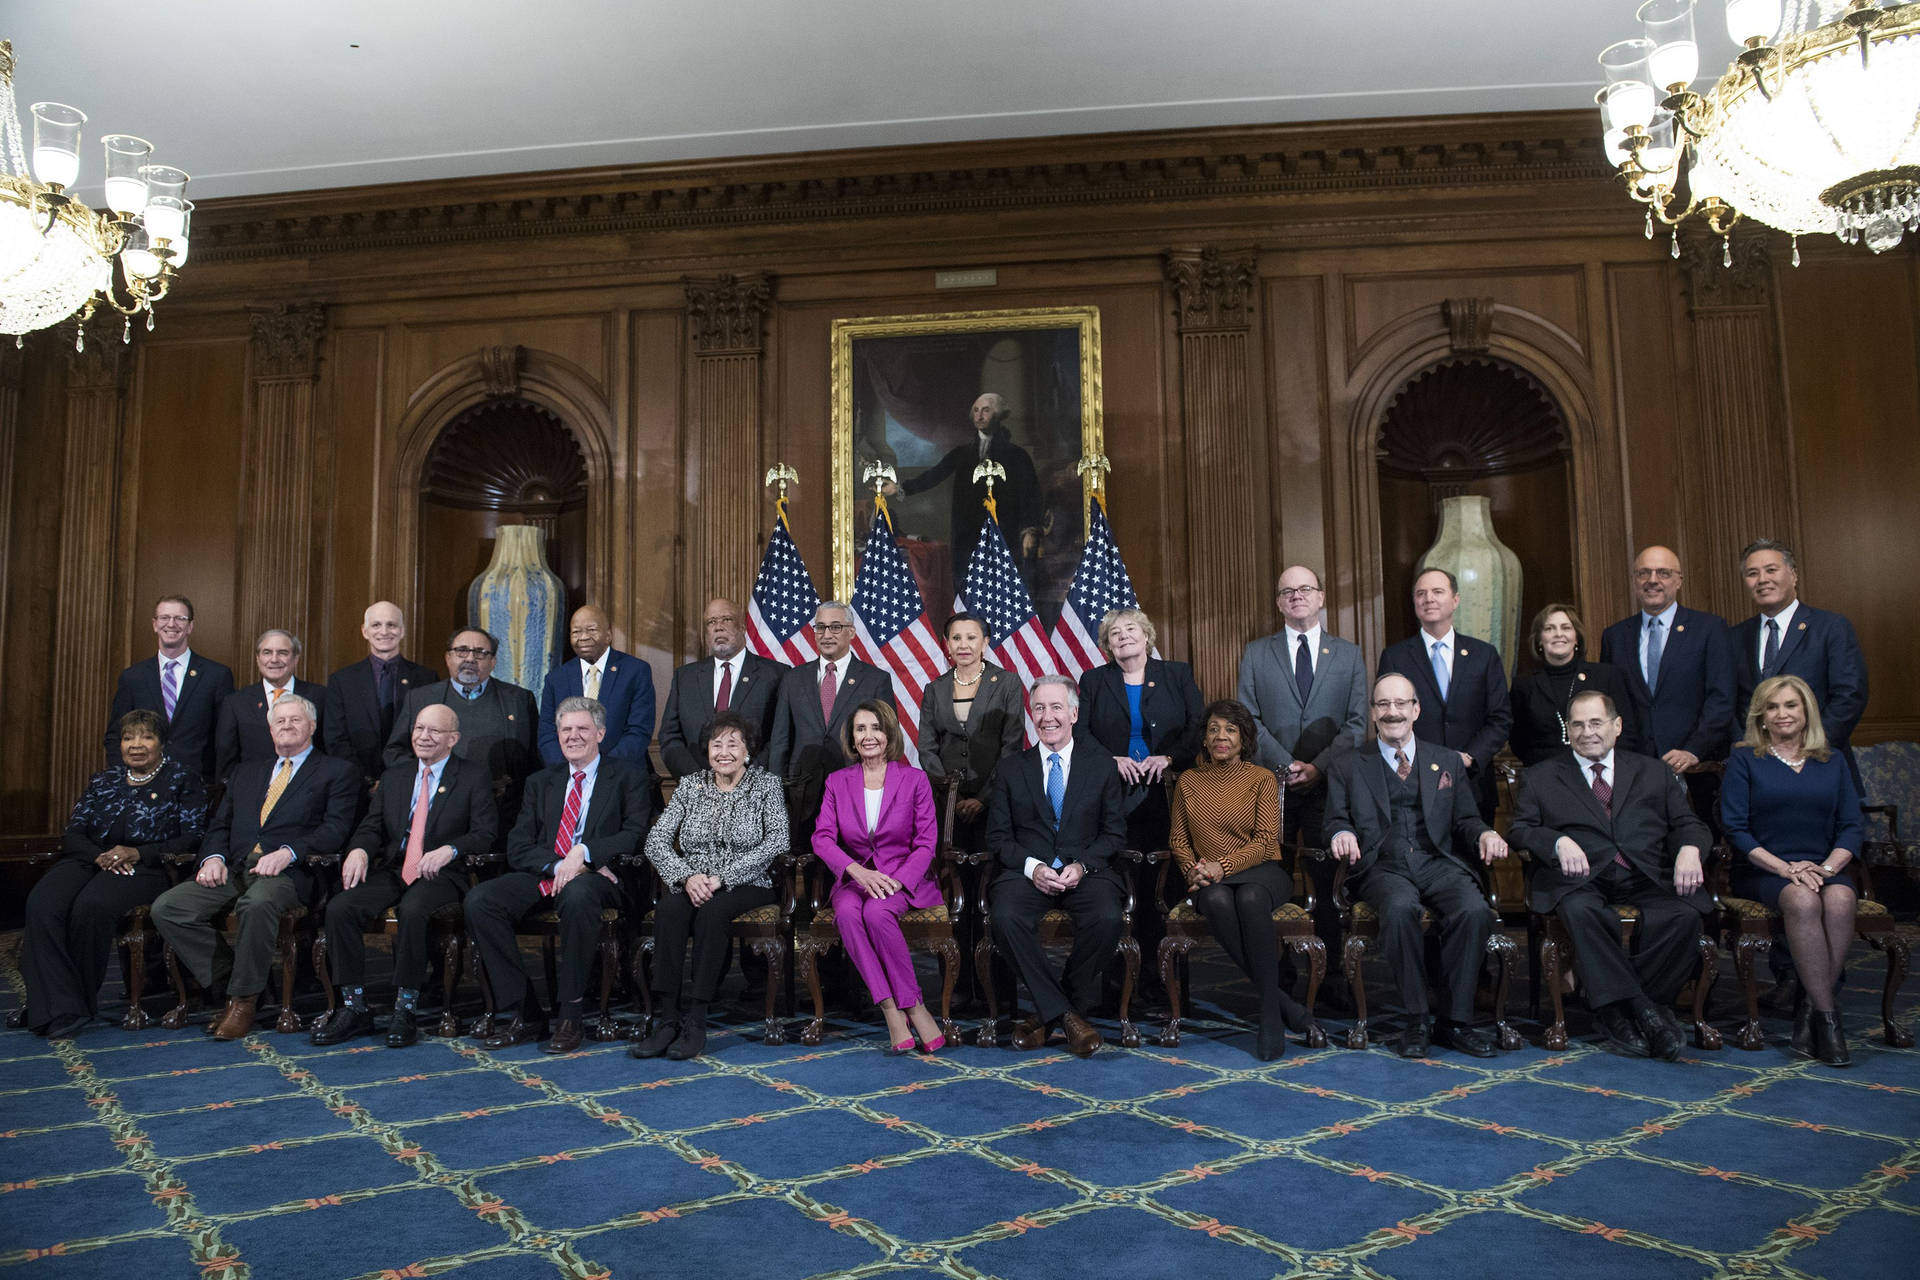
(1228, 814)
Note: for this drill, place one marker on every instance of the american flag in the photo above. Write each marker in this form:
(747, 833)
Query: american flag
(1099, 585)
(890, 626)
(995, 591)
(780, 614)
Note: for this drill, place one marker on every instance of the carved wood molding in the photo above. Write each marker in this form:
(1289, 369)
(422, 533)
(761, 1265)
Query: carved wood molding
(102, 364)
(1156, 167)
(1211, 290)
(726, 314)
(500, 370)
(1469, 323)
(286, 339)
(1710, 282)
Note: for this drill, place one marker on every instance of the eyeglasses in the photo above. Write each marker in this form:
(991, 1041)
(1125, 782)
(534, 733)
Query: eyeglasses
(171, 617)
(1394, 704)
(1665, 575)
(1295, 593)
(428, 731)
(833, 626)
(465, 652)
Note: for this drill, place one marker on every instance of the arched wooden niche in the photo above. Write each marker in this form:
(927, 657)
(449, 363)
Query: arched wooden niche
(502, 462)
(1475, 424)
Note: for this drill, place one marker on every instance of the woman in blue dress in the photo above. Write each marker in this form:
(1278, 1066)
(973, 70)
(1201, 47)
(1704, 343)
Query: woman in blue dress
(1789, 806)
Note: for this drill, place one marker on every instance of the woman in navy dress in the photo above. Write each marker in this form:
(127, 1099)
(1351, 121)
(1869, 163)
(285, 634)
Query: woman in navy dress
(1789, 805)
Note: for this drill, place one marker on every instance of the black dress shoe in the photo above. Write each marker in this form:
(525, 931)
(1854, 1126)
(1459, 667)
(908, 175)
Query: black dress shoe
(566, 1036)
(68, 1027)
(344, 1024)
(16, 1018)
(1829, 1039)
(665, 1032)
(1664, 1040)
(401, 1029)
(1414, 1040)
(1802, 1041)
(517, 1030)
(1471, 1041)
(1620, 1032)
(1270, 1041)
(691, 1042)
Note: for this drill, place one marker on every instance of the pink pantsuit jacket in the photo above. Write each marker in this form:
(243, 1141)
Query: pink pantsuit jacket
(900, 846)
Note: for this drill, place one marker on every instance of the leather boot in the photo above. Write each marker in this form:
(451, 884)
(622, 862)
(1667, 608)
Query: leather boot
(1830, 1039)
(237, 1019)
(1802, 1042)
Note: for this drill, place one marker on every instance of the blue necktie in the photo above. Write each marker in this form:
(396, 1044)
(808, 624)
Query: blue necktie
(1056, 792)
(1440, 667)
(1772, 654)
(1656, 644)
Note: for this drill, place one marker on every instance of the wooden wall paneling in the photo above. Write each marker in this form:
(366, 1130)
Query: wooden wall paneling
(1552, 295)
(726, 318)
(664, 599)
(358, 572)
(1295, 361)
(1655, 411)
(277, 544)
(12, 373)
(1228, 534)
(95, 413)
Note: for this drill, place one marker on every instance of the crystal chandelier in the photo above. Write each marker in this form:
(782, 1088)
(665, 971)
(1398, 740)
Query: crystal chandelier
(1815, 126)
(57, 256)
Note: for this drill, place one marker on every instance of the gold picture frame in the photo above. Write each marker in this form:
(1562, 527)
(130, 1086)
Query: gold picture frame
(903, 387)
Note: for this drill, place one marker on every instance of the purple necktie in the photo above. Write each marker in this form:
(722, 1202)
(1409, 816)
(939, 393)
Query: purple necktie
(169, 686)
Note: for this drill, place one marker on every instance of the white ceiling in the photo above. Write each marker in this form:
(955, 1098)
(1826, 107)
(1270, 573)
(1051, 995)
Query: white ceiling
(256, 96)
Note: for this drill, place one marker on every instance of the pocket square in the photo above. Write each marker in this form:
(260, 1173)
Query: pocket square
(1446, 780)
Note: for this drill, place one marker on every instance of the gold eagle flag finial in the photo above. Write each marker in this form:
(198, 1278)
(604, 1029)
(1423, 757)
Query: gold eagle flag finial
(1092, 470)
(990, 471)
(880, 474)
(783, 475)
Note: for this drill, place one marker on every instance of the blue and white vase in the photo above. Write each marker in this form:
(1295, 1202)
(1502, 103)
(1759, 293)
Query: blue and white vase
(522, 603)
(1488, 572)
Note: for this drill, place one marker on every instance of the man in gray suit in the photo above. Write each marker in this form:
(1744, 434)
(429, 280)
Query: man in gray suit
(1308, 694)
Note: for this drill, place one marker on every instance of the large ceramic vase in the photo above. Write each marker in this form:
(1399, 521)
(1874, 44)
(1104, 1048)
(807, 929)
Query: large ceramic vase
(1488, 572)
(522, 603)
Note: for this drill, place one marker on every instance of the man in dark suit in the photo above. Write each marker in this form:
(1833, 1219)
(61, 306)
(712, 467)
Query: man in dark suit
(1791, 638)
(498, 720)
(1609, 828)
(276, 816)
(1018, 496)
(1459, 680)
(242, 734)
(620, 682)
(728, 679)
(1679, 668)
(1308, 694)
(816, 700)
(363, 698)
(1058, 816)
(580, 818)
(1402, 815)
(185, 687)
(408, 855)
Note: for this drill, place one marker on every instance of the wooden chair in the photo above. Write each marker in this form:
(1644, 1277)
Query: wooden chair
(1056, 927)
(928, 929)
(449, 922)
(295, 922)
(1187, 925)
(1361, 925)
(766, 932)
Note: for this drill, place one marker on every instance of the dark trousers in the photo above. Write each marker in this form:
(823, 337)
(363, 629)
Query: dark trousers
(1096, 905)
(72, 915)
(674, 918)
(352, 912)
(1239, 913)
(494, 910)
(1665, 941)
(1397, 891)
(1306, 811)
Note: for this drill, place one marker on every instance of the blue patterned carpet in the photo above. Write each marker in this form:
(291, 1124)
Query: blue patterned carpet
(165, 1155)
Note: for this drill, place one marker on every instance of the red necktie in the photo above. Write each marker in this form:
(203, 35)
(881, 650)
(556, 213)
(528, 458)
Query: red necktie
(417, 832)
(570, 819)
(721, 698)
(1603, 792)
(828, 688)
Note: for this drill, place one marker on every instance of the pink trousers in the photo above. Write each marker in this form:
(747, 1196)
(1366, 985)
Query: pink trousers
(870, 931)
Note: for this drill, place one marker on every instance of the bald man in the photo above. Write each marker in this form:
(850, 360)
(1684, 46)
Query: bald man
(728, 679)
(364, 697)
(620, 682)
(1679, 668)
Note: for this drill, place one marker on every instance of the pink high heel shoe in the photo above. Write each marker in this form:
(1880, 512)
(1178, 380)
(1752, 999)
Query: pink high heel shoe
(934, 1045)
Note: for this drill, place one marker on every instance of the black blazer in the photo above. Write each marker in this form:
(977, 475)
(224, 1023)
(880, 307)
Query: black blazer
(1692, 709)
(460, 812)
(1171, 710)
(357, 726)
(314, 817)
(1651, 823)
(203, 687)
(690, 707)
(1093, 813)
(241, 733)
(994, 728)
(613, 827)
(803, 745)
(1819, 647)
(1357, 801)
(1538, 728)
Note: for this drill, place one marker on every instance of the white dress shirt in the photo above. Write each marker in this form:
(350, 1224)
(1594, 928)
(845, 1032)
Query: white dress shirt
(1066, 776)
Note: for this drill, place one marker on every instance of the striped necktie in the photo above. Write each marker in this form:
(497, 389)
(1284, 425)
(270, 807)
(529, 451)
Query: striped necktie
(169, 686)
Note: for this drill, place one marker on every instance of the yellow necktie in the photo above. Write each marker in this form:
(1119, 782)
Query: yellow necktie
(275, 788)
(590, 682)
(274, 701)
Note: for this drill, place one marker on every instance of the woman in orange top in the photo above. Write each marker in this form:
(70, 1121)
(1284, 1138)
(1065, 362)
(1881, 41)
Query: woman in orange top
(1226, 842)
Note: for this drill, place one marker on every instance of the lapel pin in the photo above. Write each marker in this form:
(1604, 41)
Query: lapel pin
(1581, 675)
(1801, 627)
(1324, 650)
(1463, 651)
(611, 670)
(153, 795)
(1434, 767)
(1679, 626)
(440, 791)
(192, 672)
(1149, 684)
(509, 715)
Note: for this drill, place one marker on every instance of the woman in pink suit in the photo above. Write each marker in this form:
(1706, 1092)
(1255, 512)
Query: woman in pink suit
(876, 833)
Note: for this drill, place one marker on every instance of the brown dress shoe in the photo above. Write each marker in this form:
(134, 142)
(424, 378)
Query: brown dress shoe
(1082, 1039)
(1031, 1034)
(566, 1036)
(237, 1020)
(519, 1030)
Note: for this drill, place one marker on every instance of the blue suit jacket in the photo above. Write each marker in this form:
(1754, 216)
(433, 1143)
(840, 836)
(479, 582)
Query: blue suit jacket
(1821, 649)
(626, 691)
(1692, 708)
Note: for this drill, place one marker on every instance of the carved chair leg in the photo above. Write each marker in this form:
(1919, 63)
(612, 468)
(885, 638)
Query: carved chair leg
(450, 948)
(989, 1034)
(1705, 1034)
(133, 971)
(1130, 959)
(1535, 954)
(287, 944)
(776, 953)
(948, 949)
(482, 1026)
(1555, 1035)
(1171, 950)
(1355, 952)
(176, 1017)
(1896, 949)
(1747, 948)
(1500, 957)
(604, 1027)
(642, 973)
(1314, 947)
(806, 963)
(321, 971)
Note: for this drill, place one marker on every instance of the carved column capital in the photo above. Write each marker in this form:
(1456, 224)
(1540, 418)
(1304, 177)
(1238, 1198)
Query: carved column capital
(728, 312)
(101, 364)
(1469, 323)
(1212, 289)
(286, 339)
(500, 370)
(1712, 283)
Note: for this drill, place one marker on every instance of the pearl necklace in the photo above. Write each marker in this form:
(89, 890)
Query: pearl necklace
(968, 684)
(1793, 764)
(141, 780)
